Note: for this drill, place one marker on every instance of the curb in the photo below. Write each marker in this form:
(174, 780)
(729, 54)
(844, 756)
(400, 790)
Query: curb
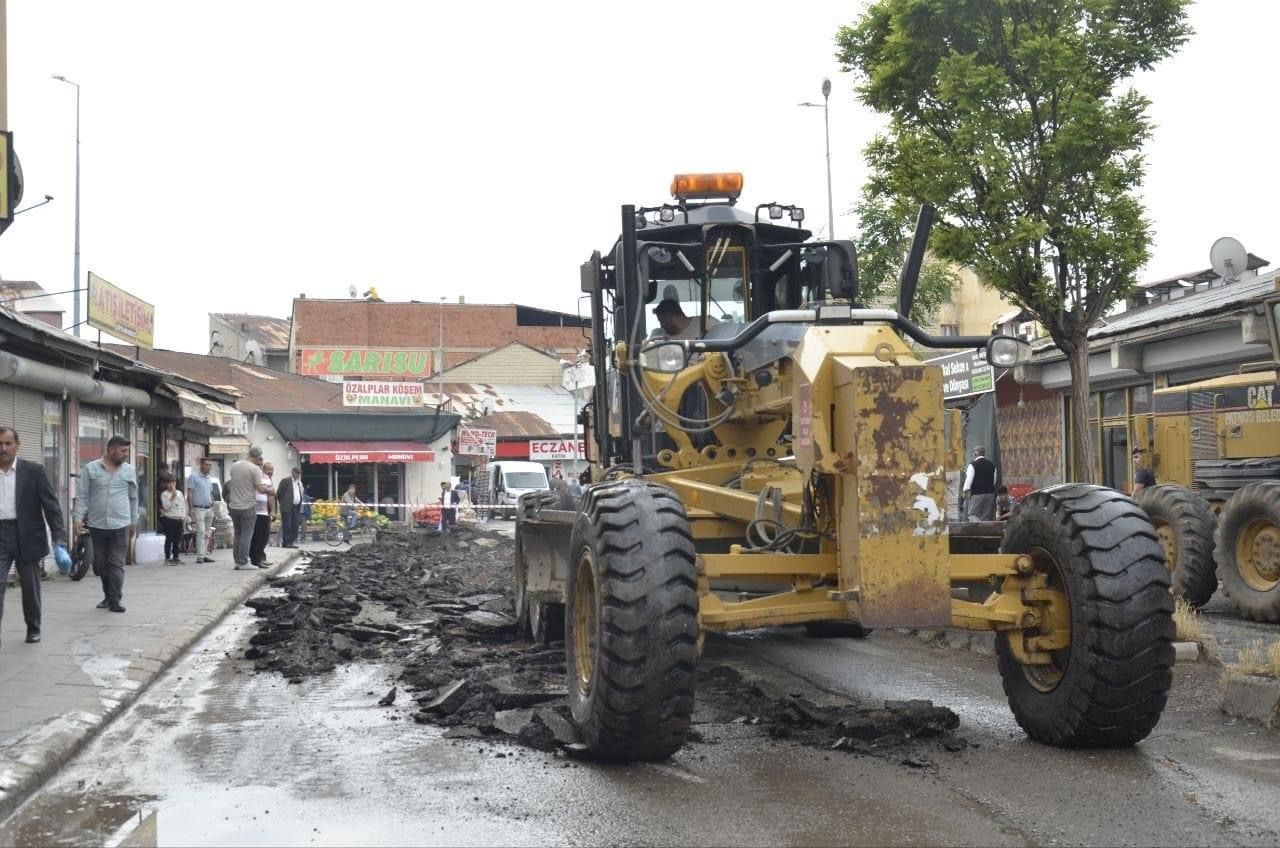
(1250, 697)
(959, 640)
(40, 760)
(984, 643)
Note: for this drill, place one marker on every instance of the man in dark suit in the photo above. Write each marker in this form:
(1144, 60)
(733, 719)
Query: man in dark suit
(289, 500)
(27, 503)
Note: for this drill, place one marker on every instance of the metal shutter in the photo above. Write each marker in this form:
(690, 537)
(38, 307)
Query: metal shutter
(24, 409)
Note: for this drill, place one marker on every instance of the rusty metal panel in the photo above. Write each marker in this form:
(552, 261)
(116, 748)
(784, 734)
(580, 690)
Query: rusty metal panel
(893, 530)
(545, 547)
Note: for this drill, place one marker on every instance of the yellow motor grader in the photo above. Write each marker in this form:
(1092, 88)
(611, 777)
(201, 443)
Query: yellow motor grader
(766, 450)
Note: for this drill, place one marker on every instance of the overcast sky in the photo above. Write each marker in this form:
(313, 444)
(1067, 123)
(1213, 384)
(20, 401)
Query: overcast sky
(236, 154)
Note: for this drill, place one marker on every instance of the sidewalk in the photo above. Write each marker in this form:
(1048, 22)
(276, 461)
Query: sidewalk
(91, 663)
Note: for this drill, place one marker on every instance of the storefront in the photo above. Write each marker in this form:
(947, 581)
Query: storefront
(1206, 333)
(392, 458)
(379, 470)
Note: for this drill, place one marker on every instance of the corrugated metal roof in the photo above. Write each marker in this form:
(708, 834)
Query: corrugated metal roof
(1181, 311)
(27, 296)
(552, 404)
(111, 357)
(515, 425)
(270, 332)
(259, 389)
(1201, 303)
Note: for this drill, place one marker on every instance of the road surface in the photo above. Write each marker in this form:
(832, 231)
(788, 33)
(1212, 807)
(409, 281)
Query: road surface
(214, 754)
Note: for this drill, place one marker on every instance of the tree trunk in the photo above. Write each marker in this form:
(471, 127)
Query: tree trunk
(1083, 466)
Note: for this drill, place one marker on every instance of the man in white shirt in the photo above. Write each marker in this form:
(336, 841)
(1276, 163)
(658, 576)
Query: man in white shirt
(27, 504)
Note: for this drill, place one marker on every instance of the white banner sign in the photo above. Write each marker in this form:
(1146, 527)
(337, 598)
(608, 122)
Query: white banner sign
(552, 449)
(473, 442)
(381, 393)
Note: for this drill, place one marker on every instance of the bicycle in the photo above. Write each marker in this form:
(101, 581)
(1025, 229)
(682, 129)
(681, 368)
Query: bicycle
(336, 532)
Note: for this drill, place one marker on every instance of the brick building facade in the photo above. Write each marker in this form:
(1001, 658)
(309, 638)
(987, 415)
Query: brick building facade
(468, 329)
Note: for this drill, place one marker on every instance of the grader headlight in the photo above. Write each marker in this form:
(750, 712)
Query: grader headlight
(1006, 351)
(665, 358)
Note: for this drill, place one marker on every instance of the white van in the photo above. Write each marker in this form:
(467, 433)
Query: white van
(509, 479)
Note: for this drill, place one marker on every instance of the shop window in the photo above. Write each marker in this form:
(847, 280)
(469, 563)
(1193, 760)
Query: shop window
(173, 458)
(1140, 400)
(315, 480)
(141, 458)
(54, 441)
(1113, 404)
(94, 431)
(1115, 457)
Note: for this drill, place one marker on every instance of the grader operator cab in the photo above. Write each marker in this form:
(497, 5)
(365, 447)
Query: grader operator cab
(780, 459)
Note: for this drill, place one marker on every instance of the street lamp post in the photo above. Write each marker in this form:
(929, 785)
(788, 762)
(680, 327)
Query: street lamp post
(440, 373)
(826, 120)
(76, 270)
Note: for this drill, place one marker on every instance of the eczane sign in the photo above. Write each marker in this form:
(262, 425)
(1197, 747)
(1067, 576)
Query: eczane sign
(548, 450)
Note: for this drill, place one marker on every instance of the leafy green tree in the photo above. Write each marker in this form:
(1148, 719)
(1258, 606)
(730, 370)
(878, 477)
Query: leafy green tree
(886, 225)
(1014, 119)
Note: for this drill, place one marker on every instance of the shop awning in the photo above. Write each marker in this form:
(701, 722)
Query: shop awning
(228, 445)
(192, 405)
(345, 452)
(227, 418)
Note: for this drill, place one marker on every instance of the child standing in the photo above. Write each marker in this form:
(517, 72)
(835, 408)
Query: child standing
(173, 517)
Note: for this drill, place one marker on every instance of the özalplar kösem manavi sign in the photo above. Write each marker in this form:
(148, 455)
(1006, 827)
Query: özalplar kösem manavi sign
(381, 393)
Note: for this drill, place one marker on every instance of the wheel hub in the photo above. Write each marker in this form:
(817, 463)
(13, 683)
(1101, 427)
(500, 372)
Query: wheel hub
(1054, 615)
(1258, 553)
(585, 623)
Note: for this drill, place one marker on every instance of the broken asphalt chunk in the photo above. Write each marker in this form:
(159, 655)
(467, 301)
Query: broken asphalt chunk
(448, 698)
(488, 622)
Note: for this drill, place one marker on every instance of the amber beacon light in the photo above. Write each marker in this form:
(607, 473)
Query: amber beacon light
(728, 185)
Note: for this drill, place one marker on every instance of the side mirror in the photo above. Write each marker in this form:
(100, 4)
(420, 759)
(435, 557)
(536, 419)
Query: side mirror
(590, 271)
(840, 270)
(1007, 351)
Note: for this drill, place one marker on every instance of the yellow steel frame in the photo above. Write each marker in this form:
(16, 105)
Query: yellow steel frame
(791, 588)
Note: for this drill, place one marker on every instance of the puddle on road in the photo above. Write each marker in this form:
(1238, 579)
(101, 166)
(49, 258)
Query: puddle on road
(225, 757)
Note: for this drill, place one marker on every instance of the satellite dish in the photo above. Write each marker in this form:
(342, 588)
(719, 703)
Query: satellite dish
(216, 347)
(351, 292)
(253, 353)
(1228, 258)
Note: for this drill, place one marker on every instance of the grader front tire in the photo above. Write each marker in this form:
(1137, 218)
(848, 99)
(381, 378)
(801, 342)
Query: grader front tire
(631, 639)
(1109, 686)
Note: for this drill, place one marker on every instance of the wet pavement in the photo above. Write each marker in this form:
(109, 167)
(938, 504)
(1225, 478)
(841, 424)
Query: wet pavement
(219, 754)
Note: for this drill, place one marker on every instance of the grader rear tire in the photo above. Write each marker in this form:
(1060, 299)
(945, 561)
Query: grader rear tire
(1248, 550)
(631, 641)
(1184, 527)
(1109, 686)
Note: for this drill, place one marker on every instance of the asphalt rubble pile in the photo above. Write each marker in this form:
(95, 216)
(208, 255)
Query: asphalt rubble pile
(439, 608)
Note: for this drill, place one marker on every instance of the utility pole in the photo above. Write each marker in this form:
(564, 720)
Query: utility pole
(826, 120)
(4, 67)
(76, 269)
(440, 365)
